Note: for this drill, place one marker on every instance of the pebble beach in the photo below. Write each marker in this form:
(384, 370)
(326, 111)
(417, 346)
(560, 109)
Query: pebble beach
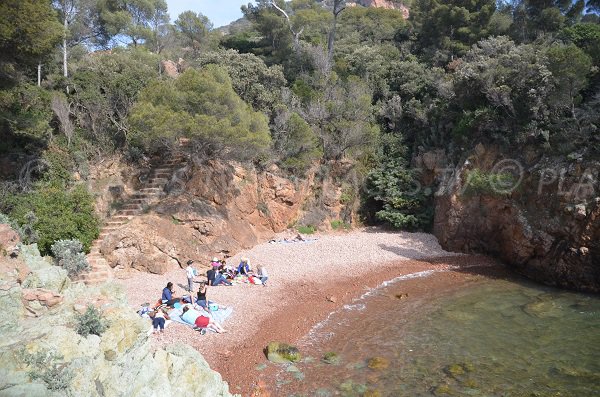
(307, 280)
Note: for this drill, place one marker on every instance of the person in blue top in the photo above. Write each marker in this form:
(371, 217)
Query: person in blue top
(244, 267)
(167, 295)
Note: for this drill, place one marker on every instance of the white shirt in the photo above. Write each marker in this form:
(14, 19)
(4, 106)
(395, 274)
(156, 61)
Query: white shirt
(263, 272)
(190, 271)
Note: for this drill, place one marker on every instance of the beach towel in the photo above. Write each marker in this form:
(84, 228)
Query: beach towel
(219, 316)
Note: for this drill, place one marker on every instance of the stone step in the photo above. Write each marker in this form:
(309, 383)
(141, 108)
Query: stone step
(149, 190)
(121, 218)
(115, 223)
(131, 212)
(133, 207)
(155, 186)
(161, 170)
(158, 180)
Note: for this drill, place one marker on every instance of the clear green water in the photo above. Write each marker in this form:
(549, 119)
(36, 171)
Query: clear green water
(491, 338)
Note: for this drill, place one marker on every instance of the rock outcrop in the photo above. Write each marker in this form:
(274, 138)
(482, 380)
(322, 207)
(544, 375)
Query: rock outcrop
(120, 362)
(218, 208)
(547, 226)
(387, 4)
(215, 207)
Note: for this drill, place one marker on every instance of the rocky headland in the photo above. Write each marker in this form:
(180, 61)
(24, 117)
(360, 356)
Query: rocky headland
(42, 354)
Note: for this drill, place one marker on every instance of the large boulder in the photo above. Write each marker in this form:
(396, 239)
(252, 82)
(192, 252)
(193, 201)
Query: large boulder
(9, 240)
(43, 272)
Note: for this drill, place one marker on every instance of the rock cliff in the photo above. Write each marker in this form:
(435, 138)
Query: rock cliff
(387, 4)
(544, 220)
(39, 320)
(218, 208)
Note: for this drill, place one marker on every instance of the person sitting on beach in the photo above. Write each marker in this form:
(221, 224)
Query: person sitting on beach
(211, 274)
(262, 275)
(215, 263)
(220, 279)
(192, 316)
(202, 295)
(167, 295)
(244, 267)
(158, 319)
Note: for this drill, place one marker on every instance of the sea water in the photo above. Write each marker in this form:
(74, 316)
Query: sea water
(492, 337)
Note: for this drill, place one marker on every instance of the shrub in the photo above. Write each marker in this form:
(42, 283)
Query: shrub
(338, 224)
(481, 182)
(47, 367)
(69, 255)
(61, 215)
(308, 229)
(91, 322)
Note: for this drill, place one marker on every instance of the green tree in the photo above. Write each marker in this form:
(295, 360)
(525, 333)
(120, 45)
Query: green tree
(585, 36)
(295, 142)
(275, 44)
(29, 32)
(194, 27)
(25, 111)
(78, 18)
(202, 105)
(451, 26)
(570, 67)
(105, 87)
(393, 188)
(255, 82)
(343, 118)
(138, 20)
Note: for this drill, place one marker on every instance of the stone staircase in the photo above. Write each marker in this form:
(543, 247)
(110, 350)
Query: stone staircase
(149, 193)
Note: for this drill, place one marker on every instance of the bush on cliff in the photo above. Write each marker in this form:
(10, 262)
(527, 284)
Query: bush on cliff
(46, 366)
(91, 322)
(69, 255)
(61, 214)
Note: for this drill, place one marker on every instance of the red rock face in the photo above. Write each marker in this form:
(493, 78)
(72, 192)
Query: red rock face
(387, 4)
(550, 234)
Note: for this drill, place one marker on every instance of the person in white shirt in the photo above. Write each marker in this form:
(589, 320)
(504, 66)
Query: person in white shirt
(263, 275)
(189, 270)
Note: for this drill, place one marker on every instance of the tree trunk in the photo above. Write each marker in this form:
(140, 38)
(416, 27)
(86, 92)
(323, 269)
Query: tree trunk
(338, 6)
(39, 74)
(65, 62)
(331, 40)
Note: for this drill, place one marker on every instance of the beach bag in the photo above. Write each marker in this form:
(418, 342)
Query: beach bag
(213, 307)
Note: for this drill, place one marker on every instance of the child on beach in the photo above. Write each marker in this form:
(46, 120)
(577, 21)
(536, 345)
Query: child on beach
(262, 275)
(190, 272)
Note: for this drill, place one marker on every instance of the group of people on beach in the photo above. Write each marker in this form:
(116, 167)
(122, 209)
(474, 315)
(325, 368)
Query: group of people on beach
(196, 313)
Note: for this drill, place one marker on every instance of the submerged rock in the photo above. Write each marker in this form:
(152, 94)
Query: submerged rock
(331, 358)
(378, 363)
(282, 353)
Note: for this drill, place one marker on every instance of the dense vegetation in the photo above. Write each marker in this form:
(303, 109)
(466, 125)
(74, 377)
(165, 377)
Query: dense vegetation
(302, 84)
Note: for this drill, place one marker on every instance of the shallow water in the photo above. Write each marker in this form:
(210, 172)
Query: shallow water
(491, 337)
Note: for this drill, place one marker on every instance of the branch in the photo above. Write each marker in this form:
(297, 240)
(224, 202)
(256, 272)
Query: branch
(296, 35)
